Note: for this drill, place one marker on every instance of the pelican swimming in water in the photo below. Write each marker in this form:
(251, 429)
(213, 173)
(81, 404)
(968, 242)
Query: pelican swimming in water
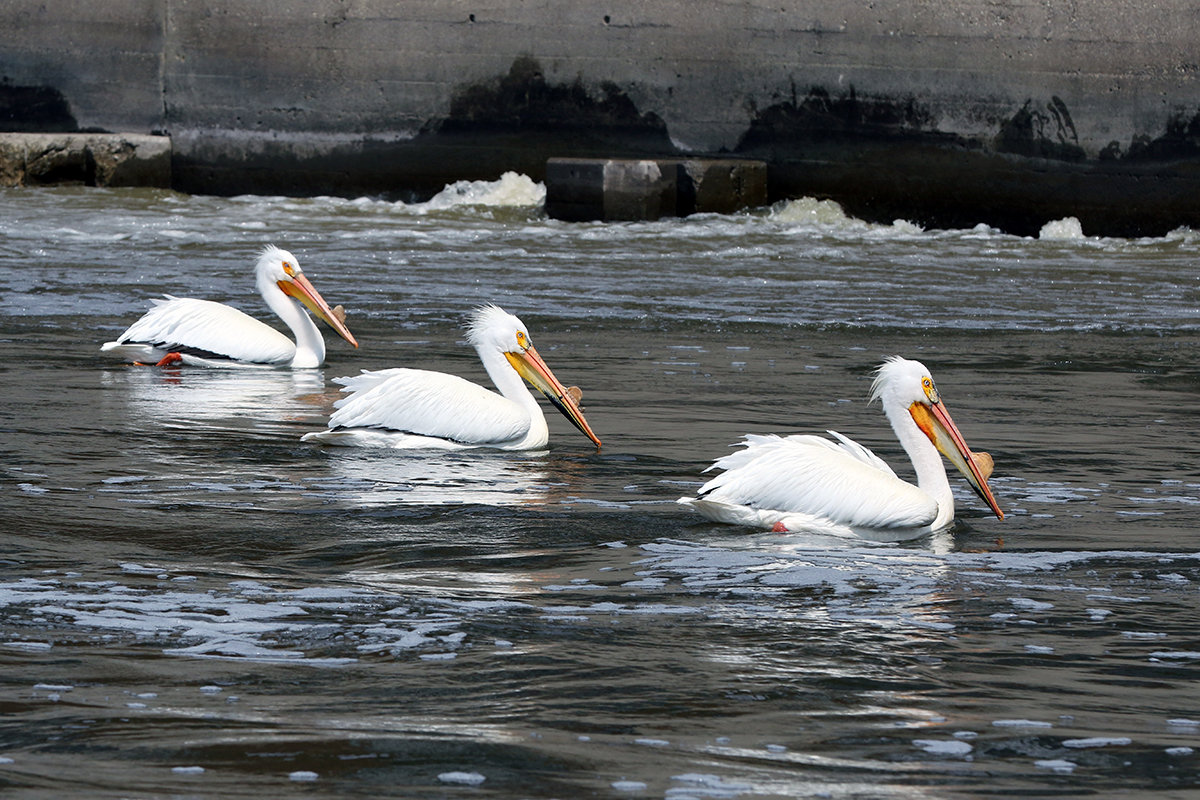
(813, 484)
(203, 333)
(416, 408)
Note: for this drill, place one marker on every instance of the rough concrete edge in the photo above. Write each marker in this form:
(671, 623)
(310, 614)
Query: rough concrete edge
(92, 159)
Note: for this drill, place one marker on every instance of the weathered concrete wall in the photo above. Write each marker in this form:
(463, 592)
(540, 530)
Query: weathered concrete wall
(89, 159)
(91, 66)
(958, 112)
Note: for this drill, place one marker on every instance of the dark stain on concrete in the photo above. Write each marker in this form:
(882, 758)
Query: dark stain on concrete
(34, 109)
(523, 100)
(884, 159)
(821, 116)
(1040, 133)
(1180, 141)
(520, 119)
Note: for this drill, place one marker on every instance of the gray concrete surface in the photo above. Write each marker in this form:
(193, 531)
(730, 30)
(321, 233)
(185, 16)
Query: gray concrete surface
(88, 159)
(611, 189)
(1007, 112)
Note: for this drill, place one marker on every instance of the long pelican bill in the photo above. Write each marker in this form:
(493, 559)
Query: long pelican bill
(529, 365)
(302, 289)
(934, 420)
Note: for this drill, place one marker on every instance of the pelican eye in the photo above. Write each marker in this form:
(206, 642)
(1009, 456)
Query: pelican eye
(289, 269)
(930, 390)
(522, 340)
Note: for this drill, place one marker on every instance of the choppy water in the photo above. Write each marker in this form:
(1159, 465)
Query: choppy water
(195, 603)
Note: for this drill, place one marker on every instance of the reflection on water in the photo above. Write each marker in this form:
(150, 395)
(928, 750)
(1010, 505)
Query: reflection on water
(263, 400)
(288, 403)
(197, 602)
(367, 478)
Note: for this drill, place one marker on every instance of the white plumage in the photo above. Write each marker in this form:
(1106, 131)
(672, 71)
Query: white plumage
(813, 484)
(445, 410)
(413, 408)
(206, 333)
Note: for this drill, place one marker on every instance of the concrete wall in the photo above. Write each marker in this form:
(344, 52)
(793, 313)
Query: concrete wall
(958, 112)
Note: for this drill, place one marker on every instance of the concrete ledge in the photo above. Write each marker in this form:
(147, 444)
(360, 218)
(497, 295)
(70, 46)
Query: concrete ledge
(613, 189)
(722, 186)
(90, 159)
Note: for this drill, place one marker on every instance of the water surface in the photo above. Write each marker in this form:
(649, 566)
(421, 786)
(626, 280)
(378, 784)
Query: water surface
(197, 603)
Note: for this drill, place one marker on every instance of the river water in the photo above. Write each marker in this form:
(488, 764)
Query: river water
(196, 603)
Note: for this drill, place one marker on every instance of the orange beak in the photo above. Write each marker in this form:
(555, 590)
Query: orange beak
(935, 422)
(300, 288)
(529, 365)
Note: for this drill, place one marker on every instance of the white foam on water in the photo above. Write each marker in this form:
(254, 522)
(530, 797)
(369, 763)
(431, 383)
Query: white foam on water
(1176, 655)
(750, 577)
(1184, 722)
(628, 786)
(944, 747)
(1066, 229)
(807, 214)
(1029, 604)
(1056, 764)
(706, 785)
(1097, 741)
(248, 621)
(511, 190)
(462, 778)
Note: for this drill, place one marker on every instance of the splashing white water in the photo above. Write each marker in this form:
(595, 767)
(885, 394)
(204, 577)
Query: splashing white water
(809, 214)
(1066, 229)
(511, 190)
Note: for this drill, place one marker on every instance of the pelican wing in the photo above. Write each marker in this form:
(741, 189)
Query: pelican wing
(842, 482)
(184, 324)
(430, 404)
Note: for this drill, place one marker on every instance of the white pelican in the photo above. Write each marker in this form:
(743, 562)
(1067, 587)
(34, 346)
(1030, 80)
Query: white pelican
(809, 483)
(204, 333)
(415, 408)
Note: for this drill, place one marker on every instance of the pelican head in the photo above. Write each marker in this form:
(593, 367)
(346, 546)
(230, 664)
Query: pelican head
(493, 330)
(280, 268)
(904, 385)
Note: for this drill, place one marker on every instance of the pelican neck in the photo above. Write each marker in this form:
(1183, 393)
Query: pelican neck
(926, 461)
(512, 386)
(310, 345)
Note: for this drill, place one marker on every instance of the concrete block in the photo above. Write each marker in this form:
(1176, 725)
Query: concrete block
(575, 189)
(636, 189)
(90, 159)
(722, 186)
(612, 189)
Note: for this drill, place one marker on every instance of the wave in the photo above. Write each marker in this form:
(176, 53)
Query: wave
(512, 190)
